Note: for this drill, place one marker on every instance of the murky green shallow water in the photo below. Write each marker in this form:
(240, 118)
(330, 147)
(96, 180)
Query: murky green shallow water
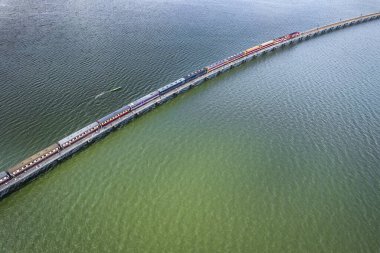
(278, 155)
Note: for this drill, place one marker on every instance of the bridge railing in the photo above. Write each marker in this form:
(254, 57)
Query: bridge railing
(343, 22)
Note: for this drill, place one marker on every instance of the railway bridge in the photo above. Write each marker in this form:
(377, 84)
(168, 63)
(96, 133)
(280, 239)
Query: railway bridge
(17, 176)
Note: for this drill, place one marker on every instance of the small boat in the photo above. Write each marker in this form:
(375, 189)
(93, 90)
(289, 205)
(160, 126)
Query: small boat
(116, 89)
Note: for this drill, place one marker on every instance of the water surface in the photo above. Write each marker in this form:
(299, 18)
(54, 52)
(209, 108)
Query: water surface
(278, 155)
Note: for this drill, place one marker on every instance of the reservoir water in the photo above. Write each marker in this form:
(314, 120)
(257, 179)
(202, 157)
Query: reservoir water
(279, 155)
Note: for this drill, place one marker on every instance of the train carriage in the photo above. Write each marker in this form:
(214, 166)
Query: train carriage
(224, 62)
(78, 135)
(114, 115)
(295, 34)
(34, 160)
(195, 74)
(144, 100)
(4, 177)
(281, 39)
(171, 86)
(267, 44)
(252, 50)
(287, 37)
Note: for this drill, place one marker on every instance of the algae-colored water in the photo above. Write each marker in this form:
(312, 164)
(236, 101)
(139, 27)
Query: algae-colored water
(278, 155)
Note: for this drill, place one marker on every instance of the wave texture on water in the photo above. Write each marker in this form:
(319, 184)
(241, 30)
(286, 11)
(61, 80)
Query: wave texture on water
(278, 155)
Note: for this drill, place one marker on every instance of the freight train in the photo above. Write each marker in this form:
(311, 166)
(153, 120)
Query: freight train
(53, 150)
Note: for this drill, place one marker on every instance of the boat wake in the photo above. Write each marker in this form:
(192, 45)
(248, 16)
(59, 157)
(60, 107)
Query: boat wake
(106, 92)
(99, 95)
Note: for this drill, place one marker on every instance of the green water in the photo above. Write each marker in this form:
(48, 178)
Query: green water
(278, 155)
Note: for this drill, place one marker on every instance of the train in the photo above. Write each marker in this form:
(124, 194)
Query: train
(54, 150)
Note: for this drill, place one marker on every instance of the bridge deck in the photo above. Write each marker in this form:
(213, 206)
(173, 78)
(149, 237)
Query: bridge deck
(343, 22)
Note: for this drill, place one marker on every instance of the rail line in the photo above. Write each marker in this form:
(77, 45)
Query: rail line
(18, 175)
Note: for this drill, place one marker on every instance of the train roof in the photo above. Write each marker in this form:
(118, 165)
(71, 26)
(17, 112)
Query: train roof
(196, 72)
(266, 43)
(152, 94)
(73, 135)
(33, 157)
(253, 48)
(112, 114)
(171, 84)
(3, 174)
